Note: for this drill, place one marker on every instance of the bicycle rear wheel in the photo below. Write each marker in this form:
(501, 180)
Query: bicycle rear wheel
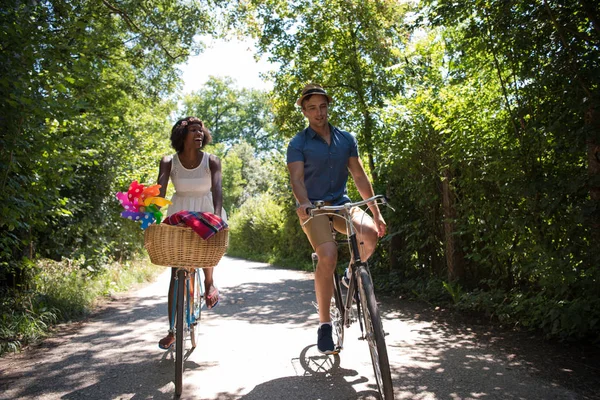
(180, 331)
(337, 312)
(375, 335)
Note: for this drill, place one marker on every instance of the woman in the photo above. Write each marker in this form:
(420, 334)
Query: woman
(196, 176)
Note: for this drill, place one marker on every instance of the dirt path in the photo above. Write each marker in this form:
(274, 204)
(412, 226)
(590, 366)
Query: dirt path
(259, 344)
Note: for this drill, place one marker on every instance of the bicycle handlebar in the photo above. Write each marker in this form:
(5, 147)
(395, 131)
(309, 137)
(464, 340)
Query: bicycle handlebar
(320, 205)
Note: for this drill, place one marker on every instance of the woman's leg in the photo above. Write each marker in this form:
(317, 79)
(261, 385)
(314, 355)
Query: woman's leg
(168, 340)
(211, 293)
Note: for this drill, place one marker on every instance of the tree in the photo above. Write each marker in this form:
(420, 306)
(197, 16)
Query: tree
(346, 46)
(82, 86)
(234, 115)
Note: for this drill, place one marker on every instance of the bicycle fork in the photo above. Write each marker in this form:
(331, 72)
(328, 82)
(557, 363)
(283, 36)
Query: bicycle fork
(190, 289)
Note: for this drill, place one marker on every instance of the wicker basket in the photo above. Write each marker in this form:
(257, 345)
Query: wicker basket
(180, 246)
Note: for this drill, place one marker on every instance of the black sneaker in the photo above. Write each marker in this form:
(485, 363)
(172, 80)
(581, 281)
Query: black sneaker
(325, 340)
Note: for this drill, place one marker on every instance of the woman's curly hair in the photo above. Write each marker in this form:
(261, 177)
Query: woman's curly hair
(180, 131)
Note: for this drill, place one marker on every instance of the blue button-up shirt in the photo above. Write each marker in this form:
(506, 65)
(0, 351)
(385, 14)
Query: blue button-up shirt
(325, 166)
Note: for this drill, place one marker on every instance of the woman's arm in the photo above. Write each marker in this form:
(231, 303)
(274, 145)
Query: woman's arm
(216, 179)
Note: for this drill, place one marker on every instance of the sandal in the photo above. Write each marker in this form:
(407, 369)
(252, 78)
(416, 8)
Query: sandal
(166, 342)
(212, 294)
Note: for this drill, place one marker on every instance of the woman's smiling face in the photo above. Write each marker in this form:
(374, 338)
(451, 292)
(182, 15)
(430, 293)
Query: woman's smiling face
(194, 137)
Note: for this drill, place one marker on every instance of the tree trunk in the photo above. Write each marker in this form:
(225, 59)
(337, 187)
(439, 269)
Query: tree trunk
(454, 258)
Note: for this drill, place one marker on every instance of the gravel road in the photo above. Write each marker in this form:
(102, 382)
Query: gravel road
(259, 343)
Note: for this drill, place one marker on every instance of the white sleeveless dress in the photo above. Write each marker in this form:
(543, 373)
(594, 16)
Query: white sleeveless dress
(192, 188)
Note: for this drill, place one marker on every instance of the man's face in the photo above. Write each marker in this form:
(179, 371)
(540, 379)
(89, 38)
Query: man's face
(315, 110)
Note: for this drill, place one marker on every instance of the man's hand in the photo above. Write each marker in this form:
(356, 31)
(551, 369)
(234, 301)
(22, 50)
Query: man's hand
(381, 225)
(302, 211)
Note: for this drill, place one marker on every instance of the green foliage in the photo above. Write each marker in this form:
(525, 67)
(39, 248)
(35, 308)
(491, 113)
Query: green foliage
(477, 112)
(82, 113)
(234, 116)
(244, 176)
(348, 47)
(84, 109)
(455, 290)
(256, 228)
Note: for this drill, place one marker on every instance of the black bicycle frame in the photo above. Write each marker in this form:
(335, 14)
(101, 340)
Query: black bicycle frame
(353, 284)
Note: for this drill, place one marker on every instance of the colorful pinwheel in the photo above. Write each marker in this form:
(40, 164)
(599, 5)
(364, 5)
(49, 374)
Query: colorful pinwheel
(142, 203)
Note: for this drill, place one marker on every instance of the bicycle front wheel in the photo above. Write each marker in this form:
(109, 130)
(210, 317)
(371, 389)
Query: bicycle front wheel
(180, 331)
(337, 312)
(195, 306)
(375, 335)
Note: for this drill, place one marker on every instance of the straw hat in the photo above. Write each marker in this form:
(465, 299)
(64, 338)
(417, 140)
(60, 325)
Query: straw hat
(311, 89)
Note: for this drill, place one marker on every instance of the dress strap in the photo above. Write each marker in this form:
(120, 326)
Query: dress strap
(205, 161)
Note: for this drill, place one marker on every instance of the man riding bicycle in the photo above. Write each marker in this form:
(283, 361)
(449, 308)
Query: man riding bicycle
(319, 159)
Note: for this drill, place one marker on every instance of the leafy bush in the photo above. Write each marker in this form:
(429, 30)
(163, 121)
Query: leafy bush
(255, 228)
(262, 229)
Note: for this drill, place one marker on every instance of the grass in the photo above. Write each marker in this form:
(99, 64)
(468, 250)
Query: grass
(62, 292)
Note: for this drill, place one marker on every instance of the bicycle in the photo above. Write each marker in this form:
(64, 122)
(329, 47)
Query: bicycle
(360, 283)
(186, 310)
(182, 248)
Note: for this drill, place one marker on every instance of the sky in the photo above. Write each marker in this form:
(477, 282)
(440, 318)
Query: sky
(233, 58)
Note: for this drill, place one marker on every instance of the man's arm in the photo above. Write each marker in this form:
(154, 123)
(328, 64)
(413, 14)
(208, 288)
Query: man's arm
(296, 169)
(363, 184)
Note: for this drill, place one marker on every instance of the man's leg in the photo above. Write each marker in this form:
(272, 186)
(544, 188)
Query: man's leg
(319, 234)
(366, 232)
(327, 253)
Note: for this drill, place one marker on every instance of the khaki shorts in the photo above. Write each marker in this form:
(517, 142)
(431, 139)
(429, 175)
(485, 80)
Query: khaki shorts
(318, 229)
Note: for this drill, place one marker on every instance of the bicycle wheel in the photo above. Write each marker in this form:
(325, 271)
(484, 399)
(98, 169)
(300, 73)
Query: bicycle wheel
(180, 331)
(374, 334)
(196, 306)
(337, 312)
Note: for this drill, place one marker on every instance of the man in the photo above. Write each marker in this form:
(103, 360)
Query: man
(319, 159)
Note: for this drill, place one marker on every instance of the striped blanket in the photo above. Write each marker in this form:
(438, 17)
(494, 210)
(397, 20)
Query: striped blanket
(204, 224)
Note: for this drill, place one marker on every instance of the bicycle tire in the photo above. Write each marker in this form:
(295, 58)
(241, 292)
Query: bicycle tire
(337, 312)
(375, 335)
(195, 309)
(180, 331)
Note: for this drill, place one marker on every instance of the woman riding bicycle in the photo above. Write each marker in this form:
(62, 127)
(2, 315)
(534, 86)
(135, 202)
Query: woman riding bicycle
(196, 176)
